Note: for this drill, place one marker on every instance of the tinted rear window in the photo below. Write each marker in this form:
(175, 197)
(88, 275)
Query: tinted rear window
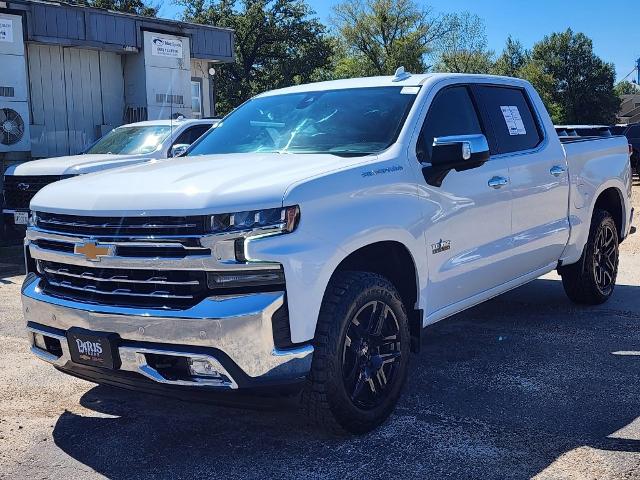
(508, 113)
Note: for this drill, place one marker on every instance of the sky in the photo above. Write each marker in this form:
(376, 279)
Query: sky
(616, 36)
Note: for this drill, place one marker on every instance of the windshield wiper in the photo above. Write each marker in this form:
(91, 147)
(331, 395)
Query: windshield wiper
(350, 153)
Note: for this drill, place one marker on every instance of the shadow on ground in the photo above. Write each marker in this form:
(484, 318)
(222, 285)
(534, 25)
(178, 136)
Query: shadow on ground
(500, 391)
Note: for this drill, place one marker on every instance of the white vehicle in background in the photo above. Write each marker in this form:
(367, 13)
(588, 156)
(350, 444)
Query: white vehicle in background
(125, 145)
(306, 241)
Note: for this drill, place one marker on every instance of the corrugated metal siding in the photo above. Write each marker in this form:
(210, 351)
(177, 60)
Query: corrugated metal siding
(71, 95)
(111, 29)
(48, 100)
(112, 81)
(53, 21)
(212, 43)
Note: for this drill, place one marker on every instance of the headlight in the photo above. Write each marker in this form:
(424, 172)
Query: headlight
(282, 220)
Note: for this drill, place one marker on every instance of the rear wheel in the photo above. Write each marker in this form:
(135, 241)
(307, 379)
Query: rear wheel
(592, 280)
(361, 354)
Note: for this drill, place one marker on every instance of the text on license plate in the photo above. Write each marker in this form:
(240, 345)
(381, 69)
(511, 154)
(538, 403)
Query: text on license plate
(20, 218)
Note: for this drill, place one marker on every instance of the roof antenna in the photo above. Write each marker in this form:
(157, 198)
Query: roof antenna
(400, 75)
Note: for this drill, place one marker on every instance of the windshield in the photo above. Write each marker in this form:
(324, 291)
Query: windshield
(356, 121)
(131, 140)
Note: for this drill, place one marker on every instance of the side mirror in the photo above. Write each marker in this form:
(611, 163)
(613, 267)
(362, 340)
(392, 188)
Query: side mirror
(178, 150)
(456, 152)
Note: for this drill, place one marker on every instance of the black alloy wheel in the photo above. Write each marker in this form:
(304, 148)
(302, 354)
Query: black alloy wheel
(605, 259)
(371, 354)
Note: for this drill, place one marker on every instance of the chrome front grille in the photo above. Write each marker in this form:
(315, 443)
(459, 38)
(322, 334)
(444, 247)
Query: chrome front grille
(148, 262)
(124, 287)
(135, 250)
(122, 226)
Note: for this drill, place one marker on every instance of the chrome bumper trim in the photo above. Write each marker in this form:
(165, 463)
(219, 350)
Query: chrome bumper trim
(239, 326)
(135, 360)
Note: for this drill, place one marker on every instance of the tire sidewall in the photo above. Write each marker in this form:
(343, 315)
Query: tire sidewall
(603, 220)
(339, 400)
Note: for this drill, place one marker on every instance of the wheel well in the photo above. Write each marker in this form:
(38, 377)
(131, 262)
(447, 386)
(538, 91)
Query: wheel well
(392, 260)
(610, 201)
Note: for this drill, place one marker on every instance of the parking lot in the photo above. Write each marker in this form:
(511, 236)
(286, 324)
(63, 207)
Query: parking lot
(527, 385)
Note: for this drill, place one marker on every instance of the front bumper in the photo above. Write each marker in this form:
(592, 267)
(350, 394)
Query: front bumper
(233, 334)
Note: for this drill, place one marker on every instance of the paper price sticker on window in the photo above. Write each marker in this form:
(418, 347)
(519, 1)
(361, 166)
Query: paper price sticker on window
(512, 118)
(6, 30)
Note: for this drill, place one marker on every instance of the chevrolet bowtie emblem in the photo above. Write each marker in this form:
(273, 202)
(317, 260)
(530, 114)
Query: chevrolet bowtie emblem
(92, 251)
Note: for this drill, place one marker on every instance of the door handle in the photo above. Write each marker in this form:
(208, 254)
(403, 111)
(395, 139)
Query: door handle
(557, 170)
(498, 182)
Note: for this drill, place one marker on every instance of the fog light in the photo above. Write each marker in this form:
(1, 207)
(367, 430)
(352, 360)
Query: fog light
(245, 278)
(38, 341)
(202, 368)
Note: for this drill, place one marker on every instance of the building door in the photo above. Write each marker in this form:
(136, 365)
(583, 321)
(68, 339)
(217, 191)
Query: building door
(75, 95)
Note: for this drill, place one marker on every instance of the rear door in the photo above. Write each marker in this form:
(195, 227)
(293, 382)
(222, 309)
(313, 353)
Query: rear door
(538, 175)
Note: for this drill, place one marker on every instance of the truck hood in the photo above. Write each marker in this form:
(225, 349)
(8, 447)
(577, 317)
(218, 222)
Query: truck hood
(188, 186)
(74, 164)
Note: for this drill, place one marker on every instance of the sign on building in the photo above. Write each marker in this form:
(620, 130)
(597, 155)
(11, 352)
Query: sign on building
(6, 30)
(165, 47)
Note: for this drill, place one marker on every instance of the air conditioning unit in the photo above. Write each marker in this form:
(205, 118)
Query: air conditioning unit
(14, 97)
(14, 127)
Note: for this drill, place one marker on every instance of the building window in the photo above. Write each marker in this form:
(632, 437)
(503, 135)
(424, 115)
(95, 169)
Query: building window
(196, 97)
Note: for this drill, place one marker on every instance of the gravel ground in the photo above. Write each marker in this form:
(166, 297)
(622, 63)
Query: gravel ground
(526, 385)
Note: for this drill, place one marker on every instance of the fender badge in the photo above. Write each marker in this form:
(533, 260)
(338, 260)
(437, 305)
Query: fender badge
(441, 246)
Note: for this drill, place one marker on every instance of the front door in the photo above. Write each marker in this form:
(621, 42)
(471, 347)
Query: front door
(468, 218)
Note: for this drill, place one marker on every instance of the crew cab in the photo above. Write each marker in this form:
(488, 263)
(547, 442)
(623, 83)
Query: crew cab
(125, 145)
(301, 246)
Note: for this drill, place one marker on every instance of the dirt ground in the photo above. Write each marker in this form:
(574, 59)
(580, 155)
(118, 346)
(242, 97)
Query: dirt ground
(526, 385)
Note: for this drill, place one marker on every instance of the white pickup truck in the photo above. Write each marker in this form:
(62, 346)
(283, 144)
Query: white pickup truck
(303, 244)
(125, 145)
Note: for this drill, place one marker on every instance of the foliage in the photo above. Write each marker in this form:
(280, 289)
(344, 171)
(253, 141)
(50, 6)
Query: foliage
(135, 7)
(577, 81)
(375, 37)
(463, 48)
(278, 43)
(627, 88)
(512, 60)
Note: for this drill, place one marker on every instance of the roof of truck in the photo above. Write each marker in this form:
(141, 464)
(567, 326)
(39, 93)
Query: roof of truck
(405, 80)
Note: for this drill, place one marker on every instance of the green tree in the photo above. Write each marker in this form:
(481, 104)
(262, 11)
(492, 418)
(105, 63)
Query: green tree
(463, 48)
(512, 59)
(627, 88)
(375, 37)
(578, 83)
(135, 7)
(278, 43)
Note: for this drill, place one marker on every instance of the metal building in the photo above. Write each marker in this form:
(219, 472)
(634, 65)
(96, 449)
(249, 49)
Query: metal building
(68, 74)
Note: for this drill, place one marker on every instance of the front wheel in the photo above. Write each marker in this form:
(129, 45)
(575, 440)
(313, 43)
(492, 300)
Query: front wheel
(361, 354)
(592, 280)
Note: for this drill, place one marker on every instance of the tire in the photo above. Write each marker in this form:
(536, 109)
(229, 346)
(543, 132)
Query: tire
(592, 280)
(339, 393)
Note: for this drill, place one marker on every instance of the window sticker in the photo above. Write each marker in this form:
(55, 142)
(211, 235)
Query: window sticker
(410, 90)
(512, 118)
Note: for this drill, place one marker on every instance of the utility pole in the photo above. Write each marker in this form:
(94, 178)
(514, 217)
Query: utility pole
(638, 70)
